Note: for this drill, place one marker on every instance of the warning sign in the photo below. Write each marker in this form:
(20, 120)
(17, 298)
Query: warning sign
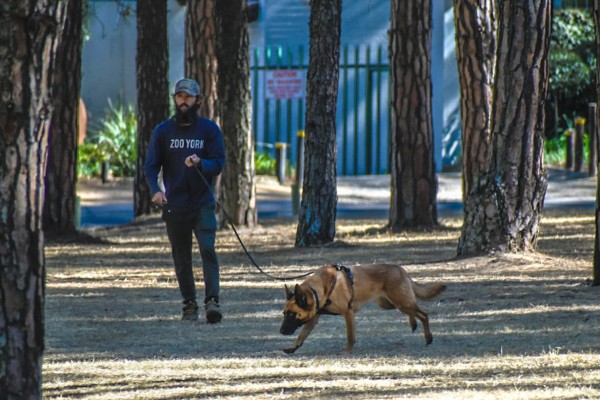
(285, 84)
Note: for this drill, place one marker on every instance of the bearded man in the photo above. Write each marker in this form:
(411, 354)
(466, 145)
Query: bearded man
(185, 147)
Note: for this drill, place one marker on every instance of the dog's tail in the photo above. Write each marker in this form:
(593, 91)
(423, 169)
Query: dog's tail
(427, 292)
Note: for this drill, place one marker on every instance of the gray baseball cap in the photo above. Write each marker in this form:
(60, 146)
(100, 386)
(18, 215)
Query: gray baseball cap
(188, 86)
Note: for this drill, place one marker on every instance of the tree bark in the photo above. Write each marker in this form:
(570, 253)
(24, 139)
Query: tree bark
(503, 210)
(201, 53)
(61, 173)
(238, 191)
(476, 27)
(152, 89)
(596, 266)
(30, 34)
(316, 217)
(201, 65)
(413, 180)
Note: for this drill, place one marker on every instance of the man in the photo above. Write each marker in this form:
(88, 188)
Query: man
(186, 146)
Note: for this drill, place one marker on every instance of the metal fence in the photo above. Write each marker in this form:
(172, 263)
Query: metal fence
(363, 124)
(573, 3)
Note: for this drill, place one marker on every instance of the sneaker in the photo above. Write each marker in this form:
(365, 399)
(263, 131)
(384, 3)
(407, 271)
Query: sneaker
(213, 312)
(190, 310)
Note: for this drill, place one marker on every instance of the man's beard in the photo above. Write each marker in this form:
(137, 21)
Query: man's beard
(187, 117)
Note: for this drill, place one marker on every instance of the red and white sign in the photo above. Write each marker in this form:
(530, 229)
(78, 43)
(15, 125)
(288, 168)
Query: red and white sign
(285, 84)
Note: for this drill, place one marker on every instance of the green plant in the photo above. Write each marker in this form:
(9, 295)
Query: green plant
(114, 142)
(555, 148)
(264, 163)
(572, 66)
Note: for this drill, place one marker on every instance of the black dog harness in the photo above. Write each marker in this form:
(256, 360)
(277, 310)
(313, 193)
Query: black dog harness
(348, 273)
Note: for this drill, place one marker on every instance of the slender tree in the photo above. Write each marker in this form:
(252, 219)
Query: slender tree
(61, 173)
(30, 34)
(503, 209)
(316, 217)
(152, 88)
(596, 266)
(238, 192)
(413, 180)
(476, 28)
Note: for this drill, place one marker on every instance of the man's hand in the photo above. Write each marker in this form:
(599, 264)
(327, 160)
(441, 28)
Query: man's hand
(192, 160)
(159, 199)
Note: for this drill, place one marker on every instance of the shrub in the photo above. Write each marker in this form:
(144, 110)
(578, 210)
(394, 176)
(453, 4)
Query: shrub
(572, 66)
(114, 142)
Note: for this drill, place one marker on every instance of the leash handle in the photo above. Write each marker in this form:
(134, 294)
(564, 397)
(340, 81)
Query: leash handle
(228, 218)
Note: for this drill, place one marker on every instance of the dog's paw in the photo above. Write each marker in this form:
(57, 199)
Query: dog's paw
(290, 350)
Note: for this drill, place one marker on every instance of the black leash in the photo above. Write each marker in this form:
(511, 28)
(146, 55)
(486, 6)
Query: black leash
(240, 239)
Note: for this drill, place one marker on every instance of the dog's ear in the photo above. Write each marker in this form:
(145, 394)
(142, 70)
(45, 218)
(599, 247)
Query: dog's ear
(288, 292)
(300, 297)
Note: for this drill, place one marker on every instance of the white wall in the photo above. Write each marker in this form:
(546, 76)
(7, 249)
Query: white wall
(108, 57)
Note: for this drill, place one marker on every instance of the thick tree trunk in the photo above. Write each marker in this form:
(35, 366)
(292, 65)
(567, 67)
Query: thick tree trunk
(238, 194)
(476, 27)
(201, 53)
(61, 173)
(503, 209)
(596, 267)
(414, 185)
(201, 65)
(152, 88)
(316, 219)
(30, 33)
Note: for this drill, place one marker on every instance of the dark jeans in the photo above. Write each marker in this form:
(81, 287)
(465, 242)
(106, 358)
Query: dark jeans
(203, 224)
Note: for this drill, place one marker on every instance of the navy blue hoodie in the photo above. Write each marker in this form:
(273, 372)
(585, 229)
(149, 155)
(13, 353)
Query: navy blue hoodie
(170, 145)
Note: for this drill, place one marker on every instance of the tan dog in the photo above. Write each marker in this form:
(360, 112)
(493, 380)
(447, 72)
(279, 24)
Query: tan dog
(339, 290)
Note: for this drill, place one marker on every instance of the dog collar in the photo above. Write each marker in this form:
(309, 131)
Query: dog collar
(316, 298)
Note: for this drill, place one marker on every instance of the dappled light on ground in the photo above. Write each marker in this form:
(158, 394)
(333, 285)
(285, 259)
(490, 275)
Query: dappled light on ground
(510, 326)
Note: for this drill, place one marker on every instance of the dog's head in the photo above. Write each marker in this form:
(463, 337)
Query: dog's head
(299, 309)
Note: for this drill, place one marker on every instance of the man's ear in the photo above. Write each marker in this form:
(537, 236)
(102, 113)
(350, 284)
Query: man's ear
(300, 297)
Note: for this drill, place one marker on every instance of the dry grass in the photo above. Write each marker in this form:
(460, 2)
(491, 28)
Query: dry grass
(508, 327)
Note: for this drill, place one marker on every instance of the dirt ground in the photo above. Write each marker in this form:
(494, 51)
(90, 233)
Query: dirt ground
(509, 326)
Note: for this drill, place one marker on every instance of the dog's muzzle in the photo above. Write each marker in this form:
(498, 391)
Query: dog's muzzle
(290, 323)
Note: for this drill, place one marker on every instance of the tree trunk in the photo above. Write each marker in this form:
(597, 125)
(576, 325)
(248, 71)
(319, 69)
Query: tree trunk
(316, 217)
(503, 210)
(414, 185)
(201, 53)
(30, 33)
(475, 22)
(201, 65)
(152, 89)
(61, 173)
(238, 194)
(596, 267)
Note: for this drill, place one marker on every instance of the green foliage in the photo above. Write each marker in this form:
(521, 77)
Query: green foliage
(555, 150)
(571, 75)
(264, 163)
(114, 142)
(572, 62)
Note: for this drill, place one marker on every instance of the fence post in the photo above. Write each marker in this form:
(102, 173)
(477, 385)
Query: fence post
(579, 132)
(570, 133)
(280, 160)
(299, 173)
(104, 171)
(77, 213)
(592, 110)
